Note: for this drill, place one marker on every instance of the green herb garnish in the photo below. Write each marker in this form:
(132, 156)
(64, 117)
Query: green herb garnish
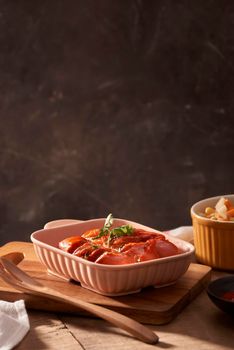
(105, 230)
(95, 246)
(125, 230)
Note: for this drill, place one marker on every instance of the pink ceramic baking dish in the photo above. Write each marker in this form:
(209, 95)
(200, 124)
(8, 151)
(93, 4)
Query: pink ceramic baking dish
(109, 280)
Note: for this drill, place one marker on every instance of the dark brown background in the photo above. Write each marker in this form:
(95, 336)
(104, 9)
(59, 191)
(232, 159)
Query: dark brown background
(113, 106)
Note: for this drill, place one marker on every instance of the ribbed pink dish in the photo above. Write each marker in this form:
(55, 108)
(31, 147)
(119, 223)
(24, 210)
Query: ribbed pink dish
(109, 280)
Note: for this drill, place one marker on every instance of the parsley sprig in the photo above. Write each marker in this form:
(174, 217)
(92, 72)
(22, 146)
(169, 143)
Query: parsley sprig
(124, 230)
(105, 230)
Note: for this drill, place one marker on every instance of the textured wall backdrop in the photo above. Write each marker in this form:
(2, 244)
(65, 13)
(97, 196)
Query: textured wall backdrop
(113, 106)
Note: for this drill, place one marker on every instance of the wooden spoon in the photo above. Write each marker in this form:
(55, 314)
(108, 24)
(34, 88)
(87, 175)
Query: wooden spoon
(16, 277)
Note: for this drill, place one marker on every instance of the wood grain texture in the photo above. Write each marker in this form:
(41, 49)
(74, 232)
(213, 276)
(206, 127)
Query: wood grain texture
(152, 306)
(48, 332)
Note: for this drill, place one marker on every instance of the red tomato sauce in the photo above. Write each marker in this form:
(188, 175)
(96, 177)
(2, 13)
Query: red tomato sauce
(229, 295)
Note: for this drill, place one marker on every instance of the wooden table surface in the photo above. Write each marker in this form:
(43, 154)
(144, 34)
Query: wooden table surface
(201, 325)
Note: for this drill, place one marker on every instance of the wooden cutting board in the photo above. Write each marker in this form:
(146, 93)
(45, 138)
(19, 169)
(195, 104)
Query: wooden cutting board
(151, 306)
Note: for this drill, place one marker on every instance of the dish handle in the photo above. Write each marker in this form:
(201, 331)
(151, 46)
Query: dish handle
(61, 222)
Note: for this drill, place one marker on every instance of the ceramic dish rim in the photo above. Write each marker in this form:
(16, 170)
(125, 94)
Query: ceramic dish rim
(189, 246)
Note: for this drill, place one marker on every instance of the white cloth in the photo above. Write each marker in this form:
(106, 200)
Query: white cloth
(14, 323)
(183, 232)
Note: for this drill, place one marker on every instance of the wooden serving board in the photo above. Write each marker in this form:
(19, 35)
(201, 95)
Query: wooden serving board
(151, 305)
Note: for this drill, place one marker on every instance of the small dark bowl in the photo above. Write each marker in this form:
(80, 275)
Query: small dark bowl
(217, 288)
